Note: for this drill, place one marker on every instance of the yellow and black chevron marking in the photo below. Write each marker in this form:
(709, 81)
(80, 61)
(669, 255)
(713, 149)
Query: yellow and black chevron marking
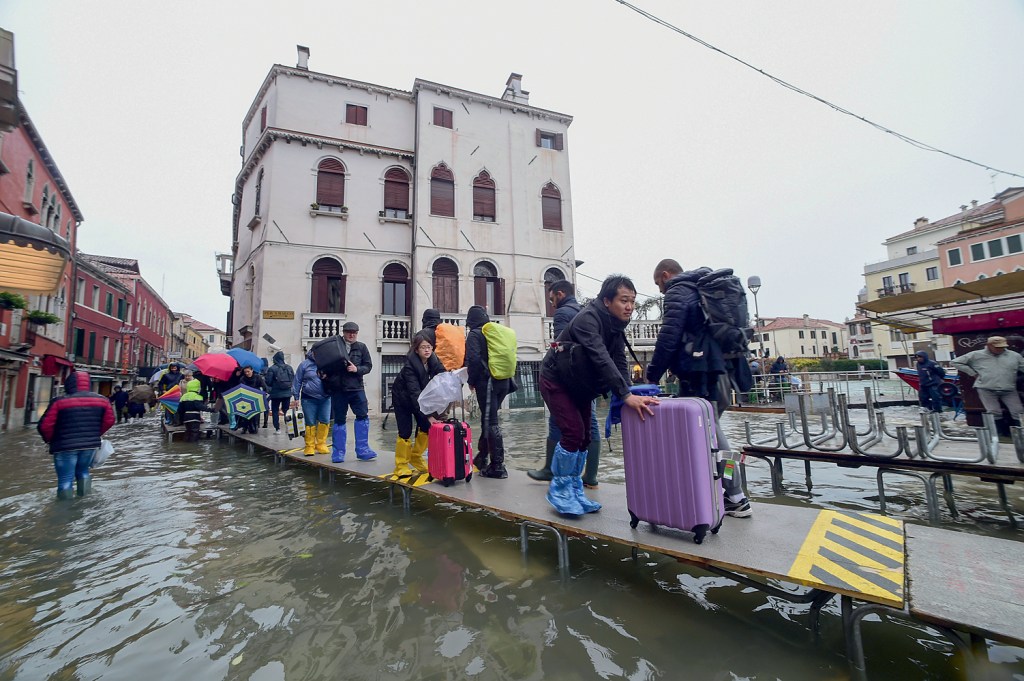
(856, 552)
(416, 481)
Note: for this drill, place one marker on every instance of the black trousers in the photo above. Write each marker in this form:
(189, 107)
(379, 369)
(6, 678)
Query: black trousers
(491, 446)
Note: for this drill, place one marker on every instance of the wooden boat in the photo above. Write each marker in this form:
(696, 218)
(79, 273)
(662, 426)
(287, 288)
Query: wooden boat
(910, 377)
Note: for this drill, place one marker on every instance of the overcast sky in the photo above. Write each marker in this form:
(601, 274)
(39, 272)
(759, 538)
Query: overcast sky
(675, 150)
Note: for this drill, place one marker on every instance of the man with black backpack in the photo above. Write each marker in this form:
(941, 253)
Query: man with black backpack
(279, 384)
(703, 341)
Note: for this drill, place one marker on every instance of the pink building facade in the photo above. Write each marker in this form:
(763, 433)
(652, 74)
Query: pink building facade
(988, 247)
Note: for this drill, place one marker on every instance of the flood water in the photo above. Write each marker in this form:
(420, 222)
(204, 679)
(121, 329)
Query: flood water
(200, 561)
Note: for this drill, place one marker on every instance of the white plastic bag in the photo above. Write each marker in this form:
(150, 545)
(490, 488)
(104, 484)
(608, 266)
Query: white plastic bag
(105, 450)
(442, 390)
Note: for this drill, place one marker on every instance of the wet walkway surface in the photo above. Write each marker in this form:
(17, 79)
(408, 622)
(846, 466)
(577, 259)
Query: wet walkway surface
(199, 561)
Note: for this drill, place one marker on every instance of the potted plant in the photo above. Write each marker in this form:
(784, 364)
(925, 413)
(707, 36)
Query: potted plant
(12, 301)
(314, 206)
(42, 318)
(344, 209)
(380, 213)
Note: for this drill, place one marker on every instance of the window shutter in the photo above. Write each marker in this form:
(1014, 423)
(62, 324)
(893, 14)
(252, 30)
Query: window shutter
(551, 207)
(538, 137)
(499, 296)
(442, 117)
(355, 114)
(263, 119)
(442, 192)
(483, 196)
(559, 141)
(396, 190)
(326, 272)
(330, 183)
(480, 291)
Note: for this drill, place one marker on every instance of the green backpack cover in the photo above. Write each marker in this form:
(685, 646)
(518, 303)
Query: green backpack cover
(501, 350)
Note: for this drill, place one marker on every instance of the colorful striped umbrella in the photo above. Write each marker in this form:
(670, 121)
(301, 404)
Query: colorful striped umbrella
(170, 399)
(245, 401)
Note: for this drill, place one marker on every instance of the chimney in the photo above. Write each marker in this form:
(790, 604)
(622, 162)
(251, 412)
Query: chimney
(303, 57)
(920, 222)
(963, 207)
(514, 90)
(806, 319)
(974, 203)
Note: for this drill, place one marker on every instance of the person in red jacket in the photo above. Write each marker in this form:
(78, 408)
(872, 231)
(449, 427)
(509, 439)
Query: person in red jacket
(72, 426)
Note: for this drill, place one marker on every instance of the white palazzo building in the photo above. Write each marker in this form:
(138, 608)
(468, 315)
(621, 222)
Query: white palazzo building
(359, 202)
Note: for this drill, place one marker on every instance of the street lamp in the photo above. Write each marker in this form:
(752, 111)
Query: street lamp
(754, 284)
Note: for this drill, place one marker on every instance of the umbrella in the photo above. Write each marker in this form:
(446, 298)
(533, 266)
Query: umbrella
(245, 401)
(246, 359)
(170, 399)
(216, 365)
(157, 375)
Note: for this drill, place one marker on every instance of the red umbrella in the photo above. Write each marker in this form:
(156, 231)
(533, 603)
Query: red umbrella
(216, 365)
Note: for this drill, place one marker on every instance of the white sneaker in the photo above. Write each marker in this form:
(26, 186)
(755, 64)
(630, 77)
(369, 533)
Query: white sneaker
(277, 431)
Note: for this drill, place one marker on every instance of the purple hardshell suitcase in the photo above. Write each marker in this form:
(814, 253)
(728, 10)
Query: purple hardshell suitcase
(671, 467)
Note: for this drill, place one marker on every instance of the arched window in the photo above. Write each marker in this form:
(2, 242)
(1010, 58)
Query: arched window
(328, 291)
(483, 197)
(552, 275)
(446, 285)
(488, 289)
(330, 185)
(551, 207)
(442, 192)
(259, 191)
(396, 193)
(395, 291)
(30, 182)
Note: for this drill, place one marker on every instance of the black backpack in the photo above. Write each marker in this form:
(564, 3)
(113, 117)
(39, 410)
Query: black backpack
(283, 377)
(726, 319)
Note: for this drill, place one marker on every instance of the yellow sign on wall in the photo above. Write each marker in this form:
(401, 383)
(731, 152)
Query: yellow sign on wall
(279, 314)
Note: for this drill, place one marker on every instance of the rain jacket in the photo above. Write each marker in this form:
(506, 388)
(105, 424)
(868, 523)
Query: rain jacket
(929, 373)
(191, 402)
(77, 419)
(307, 381)
(431, 318)
(168, 381)
(476, 347)
(603, 339)
(994, 372)
(279, 370)
(405, 391)
(564, 313)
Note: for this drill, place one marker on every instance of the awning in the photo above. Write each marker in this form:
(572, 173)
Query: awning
(53, 363)
(1002, 285)
(32, 257)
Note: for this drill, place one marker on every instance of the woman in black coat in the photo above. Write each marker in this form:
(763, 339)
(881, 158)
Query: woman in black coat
(420, 367)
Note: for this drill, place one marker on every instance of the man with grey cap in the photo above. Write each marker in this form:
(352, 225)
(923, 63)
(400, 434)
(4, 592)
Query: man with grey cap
(995, 368)
(346, 390)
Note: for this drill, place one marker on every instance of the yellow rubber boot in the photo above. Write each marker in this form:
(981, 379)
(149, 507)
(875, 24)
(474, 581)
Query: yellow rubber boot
(402, 450)
(321, 438)
(416, 459)
(310, 441)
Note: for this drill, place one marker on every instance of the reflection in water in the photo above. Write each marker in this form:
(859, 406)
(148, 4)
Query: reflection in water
(198, 561)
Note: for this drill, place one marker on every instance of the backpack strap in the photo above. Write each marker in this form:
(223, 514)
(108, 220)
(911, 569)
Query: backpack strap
(630, 347)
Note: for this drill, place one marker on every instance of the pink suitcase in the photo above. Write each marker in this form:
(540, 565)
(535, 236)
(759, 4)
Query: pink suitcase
(671, 470)
(450, 451)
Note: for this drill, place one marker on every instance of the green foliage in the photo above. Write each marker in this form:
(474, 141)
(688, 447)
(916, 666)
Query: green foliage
(12, 301)
(43, 318)
(853, 364)
(803, 364)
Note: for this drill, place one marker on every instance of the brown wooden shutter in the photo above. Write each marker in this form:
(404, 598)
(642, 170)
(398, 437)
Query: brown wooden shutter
(480, 291)
(442, 117)
(442, 192)
(330, 183)
(446, 285)
(539, 135)
(551, 207)
(483, 196)
(499, 296)
(355, 114)
(396, 189)
(559, 141)
(263, 119)
(325, 270)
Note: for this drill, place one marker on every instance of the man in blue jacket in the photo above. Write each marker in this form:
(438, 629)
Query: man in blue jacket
(694, 357)
(931, 376)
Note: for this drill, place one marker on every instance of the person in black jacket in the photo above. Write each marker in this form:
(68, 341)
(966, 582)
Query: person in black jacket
(490, 392)
(346, 390)
(405, 394)
(931, 376)
(120, 402)
(250, 378)
(697, 360)
(431, 318)
(72, 426)
(597, 337)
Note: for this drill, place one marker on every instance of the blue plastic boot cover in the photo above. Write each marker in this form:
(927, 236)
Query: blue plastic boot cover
(577, 484)
(339, 438)
(231, 421)
(561, 492)
(363, 451)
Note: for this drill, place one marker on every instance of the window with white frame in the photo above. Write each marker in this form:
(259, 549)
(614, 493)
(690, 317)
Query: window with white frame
(996, 248)
(954, 257)
(931, 273)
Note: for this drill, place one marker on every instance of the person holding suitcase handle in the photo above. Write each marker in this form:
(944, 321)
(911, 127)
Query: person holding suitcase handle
(587, 359)
(686, 345)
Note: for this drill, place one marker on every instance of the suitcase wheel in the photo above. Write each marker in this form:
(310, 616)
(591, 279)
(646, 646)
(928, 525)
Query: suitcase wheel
(448, 482)
(699, 532)
(633, 520)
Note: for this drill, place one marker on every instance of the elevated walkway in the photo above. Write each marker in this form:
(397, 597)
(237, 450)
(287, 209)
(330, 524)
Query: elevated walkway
(861, 557)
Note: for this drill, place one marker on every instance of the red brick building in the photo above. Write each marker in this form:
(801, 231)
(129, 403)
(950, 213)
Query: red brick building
(101, 332)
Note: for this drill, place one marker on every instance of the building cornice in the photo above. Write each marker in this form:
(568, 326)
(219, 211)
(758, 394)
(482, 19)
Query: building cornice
(514, 107)
(51, 165)
(975, 232)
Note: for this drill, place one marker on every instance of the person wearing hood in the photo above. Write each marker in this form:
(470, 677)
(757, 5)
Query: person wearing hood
(316, 406)
(930, 376)
(490, 393)
(251, 424)
(431, 318)
(120, 402)
(598, 333)
(279, 379)
(190, 409)
(405, 394)
(72, 426)
(172, 378)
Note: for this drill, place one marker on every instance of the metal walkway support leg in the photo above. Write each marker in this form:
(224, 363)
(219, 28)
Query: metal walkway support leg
(406, 496)
(929, 492)
(1005, 503)
(561, 543)
(947, 491)
(1018, 441)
